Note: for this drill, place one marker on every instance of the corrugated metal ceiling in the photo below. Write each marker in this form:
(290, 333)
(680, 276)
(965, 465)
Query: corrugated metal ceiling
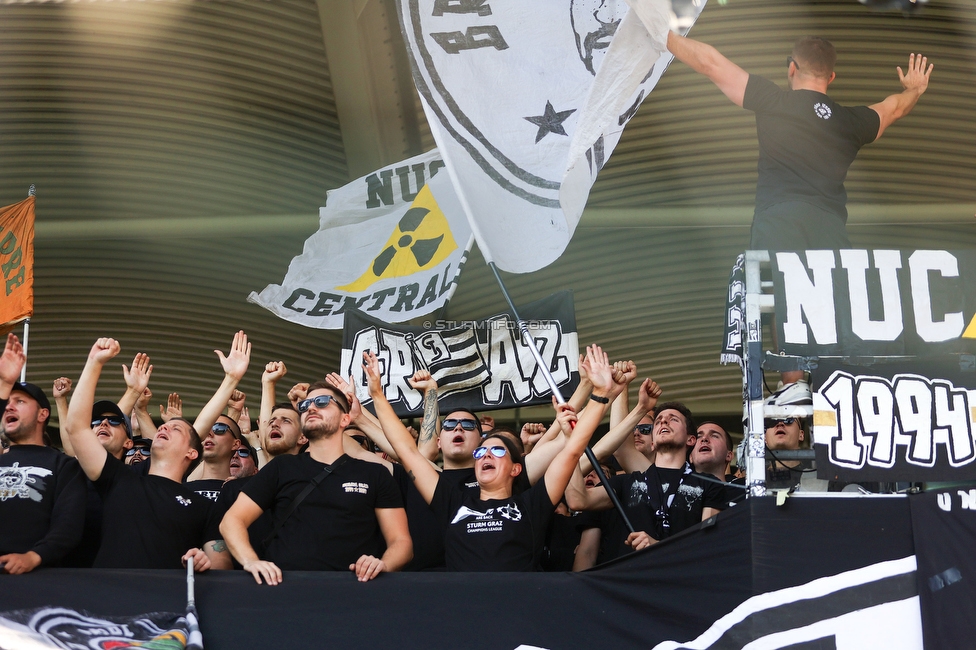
(220, 118)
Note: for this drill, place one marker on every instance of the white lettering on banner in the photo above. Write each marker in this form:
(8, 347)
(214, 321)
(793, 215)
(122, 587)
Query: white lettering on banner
(460, 362)
(968, 499)
(920, 263)
(811, 308)
(887, 263)
(815, 299)
(873, 416)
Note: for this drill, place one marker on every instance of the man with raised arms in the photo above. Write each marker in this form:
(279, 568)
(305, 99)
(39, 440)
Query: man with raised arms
(174, 523)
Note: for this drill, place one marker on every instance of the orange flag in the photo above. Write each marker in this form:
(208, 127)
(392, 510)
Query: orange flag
(17, 261)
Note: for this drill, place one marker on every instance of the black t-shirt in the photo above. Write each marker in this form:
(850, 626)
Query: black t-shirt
(495, 534)
(258, 531)
(426, 530)
(562, 540)
(42, 502)
(612, 530)
(149, 522)
(663, 501)
(336, 523)
(209, 487)
(806, 144)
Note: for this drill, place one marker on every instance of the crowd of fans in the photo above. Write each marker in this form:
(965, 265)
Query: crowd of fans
(321, 483)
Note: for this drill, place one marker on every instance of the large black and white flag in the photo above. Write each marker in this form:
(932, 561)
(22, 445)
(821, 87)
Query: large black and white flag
(904, 420)
(526, 101)
(481, 364)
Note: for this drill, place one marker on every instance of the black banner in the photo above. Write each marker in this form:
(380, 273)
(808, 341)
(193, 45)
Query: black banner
(701, 582)
(480, 365)
(875, 302)
(910, 420)
(944, 526)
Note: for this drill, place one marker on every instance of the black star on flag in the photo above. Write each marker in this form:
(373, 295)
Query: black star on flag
(550, 121)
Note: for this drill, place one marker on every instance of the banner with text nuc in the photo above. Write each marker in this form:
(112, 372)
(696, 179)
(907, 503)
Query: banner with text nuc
(17, 261)
(868, 303)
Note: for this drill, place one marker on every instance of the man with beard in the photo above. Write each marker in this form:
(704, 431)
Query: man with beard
(242, 463)
(666, 498)
(349, 508)
(42, 495)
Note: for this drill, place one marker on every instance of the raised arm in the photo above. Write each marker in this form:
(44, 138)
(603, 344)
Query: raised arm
(60, 390)
(430, 428)
(620, 406)
(234, 365)
(144, 421)
(914, 83)
(705, 59)
(620, 442)
(11, 363)
(235, 404)
(136, 381)
(89, 452)
(561, 469)
(173, 408)
(418, 468)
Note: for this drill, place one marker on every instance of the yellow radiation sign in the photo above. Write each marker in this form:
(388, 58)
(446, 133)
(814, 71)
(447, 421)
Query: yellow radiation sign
(421, 240)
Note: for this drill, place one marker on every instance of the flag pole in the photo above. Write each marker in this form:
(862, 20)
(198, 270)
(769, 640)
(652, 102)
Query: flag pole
(194, 639)
(23, 369)
(544, 369)
(31, 191)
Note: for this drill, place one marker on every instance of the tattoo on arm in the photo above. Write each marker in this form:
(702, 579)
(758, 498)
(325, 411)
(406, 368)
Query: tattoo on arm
(410, 474)
(429, 425)
(219, 546)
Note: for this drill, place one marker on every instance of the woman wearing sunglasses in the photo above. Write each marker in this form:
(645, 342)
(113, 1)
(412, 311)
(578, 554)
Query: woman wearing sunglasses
(492, 529)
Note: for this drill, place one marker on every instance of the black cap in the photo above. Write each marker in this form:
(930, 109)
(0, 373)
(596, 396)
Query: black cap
(34, 391)
(105, 406)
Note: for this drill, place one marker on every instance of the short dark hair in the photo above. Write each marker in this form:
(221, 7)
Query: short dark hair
(284, 405)
(463, 409)
(728, 436)
(683, 410)
(195, 443)
(338, 394)
(816, 54)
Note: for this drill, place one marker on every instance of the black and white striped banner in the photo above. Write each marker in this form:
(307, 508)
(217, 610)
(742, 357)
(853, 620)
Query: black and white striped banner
(478, 364)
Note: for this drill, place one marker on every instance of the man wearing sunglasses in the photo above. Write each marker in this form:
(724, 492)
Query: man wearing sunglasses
(352, 512)
(783, 435)
(807, 141)
(139, 452)
(42, 494)
(219, 446)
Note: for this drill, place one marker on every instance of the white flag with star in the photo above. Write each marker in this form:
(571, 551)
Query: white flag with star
(526, 101)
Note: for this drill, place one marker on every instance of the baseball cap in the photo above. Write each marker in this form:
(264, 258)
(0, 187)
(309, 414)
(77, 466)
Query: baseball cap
(34, 391)
(105, 406)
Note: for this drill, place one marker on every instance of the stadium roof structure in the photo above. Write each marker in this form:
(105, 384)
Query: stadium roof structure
(181, 150)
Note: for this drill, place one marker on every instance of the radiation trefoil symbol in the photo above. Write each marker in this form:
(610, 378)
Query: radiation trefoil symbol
(421, 240)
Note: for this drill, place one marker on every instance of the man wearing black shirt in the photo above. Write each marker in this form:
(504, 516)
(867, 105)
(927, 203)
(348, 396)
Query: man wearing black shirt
(807, 142)
(667, 498)
(342, 523)
(42, 496)
(173, 522)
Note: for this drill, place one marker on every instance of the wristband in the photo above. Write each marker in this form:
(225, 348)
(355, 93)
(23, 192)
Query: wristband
(601, 400)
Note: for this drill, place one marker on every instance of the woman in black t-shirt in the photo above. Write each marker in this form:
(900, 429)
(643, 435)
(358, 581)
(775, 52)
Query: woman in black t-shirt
(492, 529)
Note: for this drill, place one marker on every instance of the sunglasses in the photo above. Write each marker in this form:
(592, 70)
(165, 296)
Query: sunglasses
(219, 429)
(790, 60)
(644, 429)
(467, 424)
(497, 452)
(242, 453)
(772, 423)
(137, 450)
(113, 420)
(320, 402)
